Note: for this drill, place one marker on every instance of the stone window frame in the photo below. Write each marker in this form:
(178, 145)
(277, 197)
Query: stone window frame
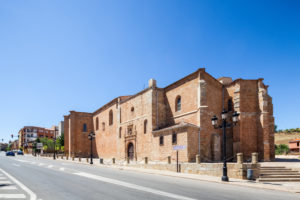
(174, 138)
(178, 103)
(145, 126)
(111, 118)
(161, 140)
(97, 123)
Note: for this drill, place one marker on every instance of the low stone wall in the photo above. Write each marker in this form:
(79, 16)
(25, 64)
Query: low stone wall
(234, 170)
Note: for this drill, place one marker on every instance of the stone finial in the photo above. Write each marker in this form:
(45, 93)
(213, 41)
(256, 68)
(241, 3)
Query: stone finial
(254, 158)
(198, 159)
(152, 83)
(239, 157)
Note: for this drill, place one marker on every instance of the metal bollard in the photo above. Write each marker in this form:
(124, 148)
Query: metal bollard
(87, 160)
(146, 160)
(113, 160)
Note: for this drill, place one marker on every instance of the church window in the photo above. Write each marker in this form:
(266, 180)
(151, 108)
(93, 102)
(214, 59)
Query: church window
(145, 126)
(161, 140)
(178, 103)
(97, 123)
(84, 128)
(110, 117)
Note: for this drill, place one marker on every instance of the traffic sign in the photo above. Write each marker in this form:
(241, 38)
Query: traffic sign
(179, 147)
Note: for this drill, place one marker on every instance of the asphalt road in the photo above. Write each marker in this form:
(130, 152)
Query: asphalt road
(26, 177)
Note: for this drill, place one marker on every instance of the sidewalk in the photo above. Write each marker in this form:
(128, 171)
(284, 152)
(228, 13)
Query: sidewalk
(280, 186)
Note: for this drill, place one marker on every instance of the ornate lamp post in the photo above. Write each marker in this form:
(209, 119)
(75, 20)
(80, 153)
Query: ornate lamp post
(91, 136)
(214, 121)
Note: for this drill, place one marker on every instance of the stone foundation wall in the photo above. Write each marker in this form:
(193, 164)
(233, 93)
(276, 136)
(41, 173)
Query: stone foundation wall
(234, 170)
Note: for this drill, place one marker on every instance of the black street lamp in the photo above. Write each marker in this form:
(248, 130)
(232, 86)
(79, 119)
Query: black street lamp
(91, 136)
(54, 155)
(214, 121)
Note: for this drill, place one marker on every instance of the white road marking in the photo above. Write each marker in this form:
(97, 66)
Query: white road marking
(5, 182)
(41, 164)
(33, 163)
(62, 169)
(22, 160)
(9, 187)
(12, 196)
(50, 166)
(2, 178)
(23, 187)
(133, 186)
(65, 164)
(16, 165)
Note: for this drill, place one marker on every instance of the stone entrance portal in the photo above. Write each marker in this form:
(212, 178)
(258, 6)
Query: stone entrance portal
(130, 151)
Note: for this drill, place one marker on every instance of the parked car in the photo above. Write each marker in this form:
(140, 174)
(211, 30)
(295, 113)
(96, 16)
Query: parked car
(10, 153)
(20, 152)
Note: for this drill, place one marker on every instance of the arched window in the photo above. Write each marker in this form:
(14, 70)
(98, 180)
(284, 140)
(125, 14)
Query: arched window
(145, 126)
(84, 129)
(178, 103)
(111, 117)
(174, 138)
(230, 105)
(161, 140)
(97, 123)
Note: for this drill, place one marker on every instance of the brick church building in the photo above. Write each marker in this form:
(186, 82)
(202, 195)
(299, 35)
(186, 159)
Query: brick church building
(151, 122)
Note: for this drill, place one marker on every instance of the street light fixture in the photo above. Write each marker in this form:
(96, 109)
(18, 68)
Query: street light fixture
(91, 135)
(214, 121)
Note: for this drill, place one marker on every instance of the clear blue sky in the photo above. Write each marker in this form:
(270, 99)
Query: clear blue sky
(57, 56)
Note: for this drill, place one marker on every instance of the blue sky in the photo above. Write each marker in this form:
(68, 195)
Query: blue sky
(57, 56)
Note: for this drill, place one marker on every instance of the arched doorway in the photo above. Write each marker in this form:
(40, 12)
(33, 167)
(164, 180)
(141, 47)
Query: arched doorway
(130, 151)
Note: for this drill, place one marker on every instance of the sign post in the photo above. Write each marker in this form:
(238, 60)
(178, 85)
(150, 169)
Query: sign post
(178, 147)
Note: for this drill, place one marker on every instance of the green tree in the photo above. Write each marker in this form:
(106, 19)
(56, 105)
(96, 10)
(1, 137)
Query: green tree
(281, 149)
(47, 144)
(60, 141)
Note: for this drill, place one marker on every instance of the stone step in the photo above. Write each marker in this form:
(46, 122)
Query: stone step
(279, 173)
(282, 167)
(279, 176)
(279, 179)
(279, 169)
(276, 171)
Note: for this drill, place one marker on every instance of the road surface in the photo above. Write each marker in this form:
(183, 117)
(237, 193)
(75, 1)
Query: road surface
(27, 177)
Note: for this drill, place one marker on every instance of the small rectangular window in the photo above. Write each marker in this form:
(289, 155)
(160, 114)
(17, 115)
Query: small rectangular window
(161, 140)
(298, 144)
(174, 138)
